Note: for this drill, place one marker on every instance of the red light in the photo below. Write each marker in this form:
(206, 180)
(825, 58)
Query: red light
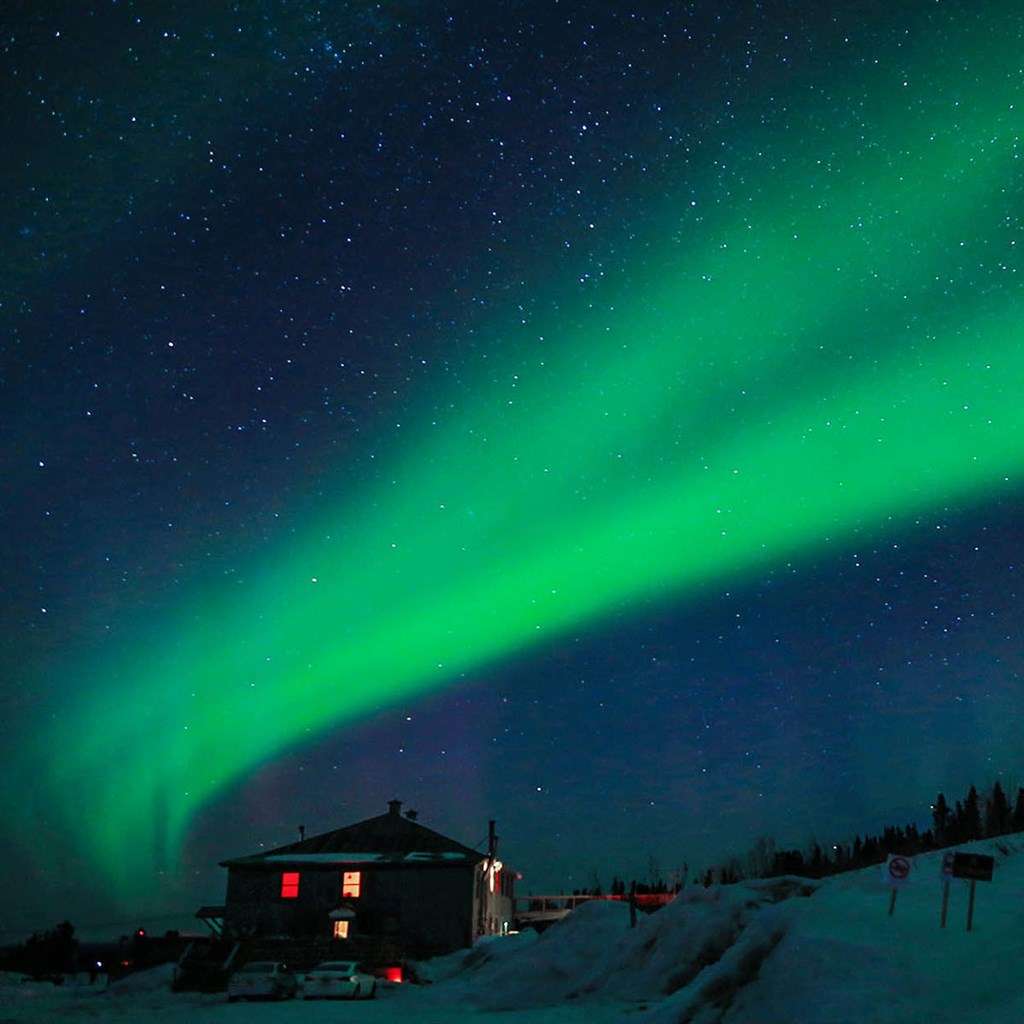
(141, 933)
(290, 885)
(393, 974)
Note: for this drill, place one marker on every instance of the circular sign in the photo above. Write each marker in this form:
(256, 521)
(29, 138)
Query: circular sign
(899, 868)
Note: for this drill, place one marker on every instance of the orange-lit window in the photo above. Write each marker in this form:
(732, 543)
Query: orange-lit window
(351, 883)
(290, 885)
(341, 929)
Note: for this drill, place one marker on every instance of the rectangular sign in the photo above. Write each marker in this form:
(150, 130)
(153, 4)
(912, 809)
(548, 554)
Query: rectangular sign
(976, 866)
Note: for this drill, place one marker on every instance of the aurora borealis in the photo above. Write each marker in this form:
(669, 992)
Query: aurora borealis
(798, 336)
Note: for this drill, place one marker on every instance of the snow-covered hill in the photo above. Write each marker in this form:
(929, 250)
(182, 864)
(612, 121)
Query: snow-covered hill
(784, 951)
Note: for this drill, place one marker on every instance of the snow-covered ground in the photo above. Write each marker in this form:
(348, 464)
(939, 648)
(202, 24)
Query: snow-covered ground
(777, 952)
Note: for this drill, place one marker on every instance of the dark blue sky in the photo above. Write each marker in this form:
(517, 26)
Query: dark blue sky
(238, 243)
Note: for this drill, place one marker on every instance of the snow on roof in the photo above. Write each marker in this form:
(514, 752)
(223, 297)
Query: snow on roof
(324, 858)
(359, 858)
(444, 855)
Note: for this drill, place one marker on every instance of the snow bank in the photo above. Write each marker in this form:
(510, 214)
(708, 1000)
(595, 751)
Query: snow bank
(593, 953)
(156, 979)
(487, 950)
(776, 952)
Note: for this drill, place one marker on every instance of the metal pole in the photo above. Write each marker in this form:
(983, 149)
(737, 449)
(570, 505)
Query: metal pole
(945, 901)
(970, 906)
(892, 902)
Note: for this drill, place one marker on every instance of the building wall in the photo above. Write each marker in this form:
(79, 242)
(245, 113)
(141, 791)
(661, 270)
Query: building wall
(423, 908)
(493, 911)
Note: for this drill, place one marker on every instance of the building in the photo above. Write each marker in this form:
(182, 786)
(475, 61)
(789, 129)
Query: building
(388, 878)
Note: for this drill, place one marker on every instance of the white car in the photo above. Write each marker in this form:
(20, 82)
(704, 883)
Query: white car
(262, 979)
(338, 979)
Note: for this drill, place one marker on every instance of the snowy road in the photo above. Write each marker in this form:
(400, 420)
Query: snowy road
(36, 1004)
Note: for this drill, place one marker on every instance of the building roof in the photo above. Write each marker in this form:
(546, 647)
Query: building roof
(387, 839)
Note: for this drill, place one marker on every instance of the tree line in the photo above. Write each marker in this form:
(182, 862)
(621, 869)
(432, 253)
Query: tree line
(970, 818)
(973, 817)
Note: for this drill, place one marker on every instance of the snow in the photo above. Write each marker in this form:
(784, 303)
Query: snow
(785, 951)
(322, 858)
(357, 858)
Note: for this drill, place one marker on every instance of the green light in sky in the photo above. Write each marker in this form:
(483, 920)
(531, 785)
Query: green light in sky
(830, 358)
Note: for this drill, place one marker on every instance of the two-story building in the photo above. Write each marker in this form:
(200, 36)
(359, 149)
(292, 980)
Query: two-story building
(387, 878)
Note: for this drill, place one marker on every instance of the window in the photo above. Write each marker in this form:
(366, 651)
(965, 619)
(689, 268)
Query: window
(351, 883)
(290, 885)
(341, 929)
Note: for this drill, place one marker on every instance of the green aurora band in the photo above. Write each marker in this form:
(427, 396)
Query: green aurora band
(821, 365)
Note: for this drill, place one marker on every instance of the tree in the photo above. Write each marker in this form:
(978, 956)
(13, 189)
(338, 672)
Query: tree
(940, 815)
(997, 812)
(1018, 811)
(761, 857)
(972, 816)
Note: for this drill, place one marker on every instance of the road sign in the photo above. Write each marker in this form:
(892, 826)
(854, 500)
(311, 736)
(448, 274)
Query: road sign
(897, 871)
(946, 867)
(975, 866)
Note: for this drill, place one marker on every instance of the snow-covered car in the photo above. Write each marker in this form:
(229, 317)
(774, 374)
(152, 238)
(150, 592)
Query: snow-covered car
(262, 979)
(338, 979)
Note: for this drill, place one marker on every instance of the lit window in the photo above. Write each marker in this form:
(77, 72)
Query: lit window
(290, 885)
(341, 929)
(350, 884)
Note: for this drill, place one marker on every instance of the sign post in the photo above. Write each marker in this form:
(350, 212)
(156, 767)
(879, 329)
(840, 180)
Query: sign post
(896, 873)
(976, 867)
(946, 873)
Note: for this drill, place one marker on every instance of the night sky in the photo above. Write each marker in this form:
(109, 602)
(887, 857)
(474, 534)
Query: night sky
(607, 418)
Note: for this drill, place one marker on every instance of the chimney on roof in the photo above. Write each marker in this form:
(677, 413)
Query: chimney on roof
(411, 814)
(395, 807)
(302, 832)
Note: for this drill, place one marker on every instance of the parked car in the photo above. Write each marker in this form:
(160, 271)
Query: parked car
(262, 979)
(338, 979)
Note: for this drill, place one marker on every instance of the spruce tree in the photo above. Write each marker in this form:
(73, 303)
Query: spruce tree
(958, 828)
(1000, 812)
(1018, 811)
(972, 815)
(940, 815)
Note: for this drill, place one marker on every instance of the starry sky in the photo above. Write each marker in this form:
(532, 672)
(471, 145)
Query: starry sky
(603, 418)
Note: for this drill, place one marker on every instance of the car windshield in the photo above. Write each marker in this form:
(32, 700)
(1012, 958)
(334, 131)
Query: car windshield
(259, 968)
(344, 966)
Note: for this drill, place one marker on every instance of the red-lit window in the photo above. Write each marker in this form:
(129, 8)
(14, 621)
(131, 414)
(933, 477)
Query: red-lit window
(351, 883)
(341, 929)
(393, 974)
(290, 885)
